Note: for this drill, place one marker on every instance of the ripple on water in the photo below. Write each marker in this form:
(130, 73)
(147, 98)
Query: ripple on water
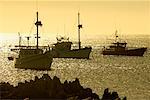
(129, 76)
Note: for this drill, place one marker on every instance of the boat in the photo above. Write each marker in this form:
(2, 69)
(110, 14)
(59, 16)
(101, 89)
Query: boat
(120, 48)
(10, 58)
(62, 49)
(33, 57)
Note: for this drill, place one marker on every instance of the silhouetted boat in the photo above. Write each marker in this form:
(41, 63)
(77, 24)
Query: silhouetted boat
(62, 49)
(119, 48)
(10, 58)
(34, 58)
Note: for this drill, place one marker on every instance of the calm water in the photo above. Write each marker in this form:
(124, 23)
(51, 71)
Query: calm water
(129, 76)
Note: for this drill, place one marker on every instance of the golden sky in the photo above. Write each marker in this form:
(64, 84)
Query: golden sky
(60, 17)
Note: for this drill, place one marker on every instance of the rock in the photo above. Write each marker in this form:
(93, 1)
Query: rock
(47, 88)
(111, 96)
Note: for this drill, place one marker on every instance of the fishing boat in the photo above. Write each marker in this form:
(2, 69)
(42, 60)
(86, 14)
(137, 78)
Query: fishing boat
(120, 48)
(33, 57)
(62, 49)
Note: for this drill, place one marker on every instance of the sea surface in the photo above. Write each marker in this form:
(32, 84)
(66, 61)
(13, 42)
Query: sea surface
(129, 76)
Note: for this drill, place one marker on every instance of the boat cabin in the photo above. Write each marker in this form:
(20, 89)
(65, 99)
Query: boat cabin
(62, 44)
(117, 46)
(28, 52)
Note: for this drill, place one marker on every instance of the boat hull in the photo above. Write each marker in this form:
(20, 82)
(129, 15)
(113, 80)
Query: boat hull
(82, 53)
(130, 52)
(36, 61)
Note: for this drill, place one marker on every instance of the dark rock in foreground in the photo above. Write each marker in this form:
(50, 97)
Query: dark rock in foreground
(47, 88)
(111, 96)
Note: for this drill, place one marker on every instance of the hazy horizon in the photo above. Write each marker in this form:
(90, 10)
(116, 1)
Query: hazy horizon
(60, 17)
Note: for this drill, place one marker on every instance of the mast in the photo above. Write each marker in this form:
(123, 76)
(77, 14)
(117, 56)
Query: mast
(19, 39)
(38, 23)
(79, 26)
(28, 38)
(116, 35)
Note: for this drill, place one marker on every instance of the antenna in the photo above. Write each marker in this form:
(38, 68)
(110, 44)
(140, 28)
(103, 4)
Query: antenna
(19, 39)
(79, 26)
(116, 35)
(38, 23)
(28, 38)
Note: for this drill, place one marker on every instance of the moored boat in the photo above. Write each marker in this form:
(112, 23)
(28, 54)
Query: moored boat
(34, 58)
(62, 49)
(120, 48)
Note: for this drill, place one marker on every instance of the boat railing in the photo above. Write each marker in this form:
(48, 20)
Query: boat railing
(17, 48)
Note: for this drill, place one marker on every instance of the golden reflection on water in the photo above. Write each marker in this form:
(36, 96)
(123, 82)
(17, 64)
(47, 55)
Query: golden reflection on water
(127, 75)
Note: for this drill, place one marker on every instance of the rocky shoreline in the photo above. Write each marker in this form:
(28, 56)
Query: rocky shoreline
(48, 88)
